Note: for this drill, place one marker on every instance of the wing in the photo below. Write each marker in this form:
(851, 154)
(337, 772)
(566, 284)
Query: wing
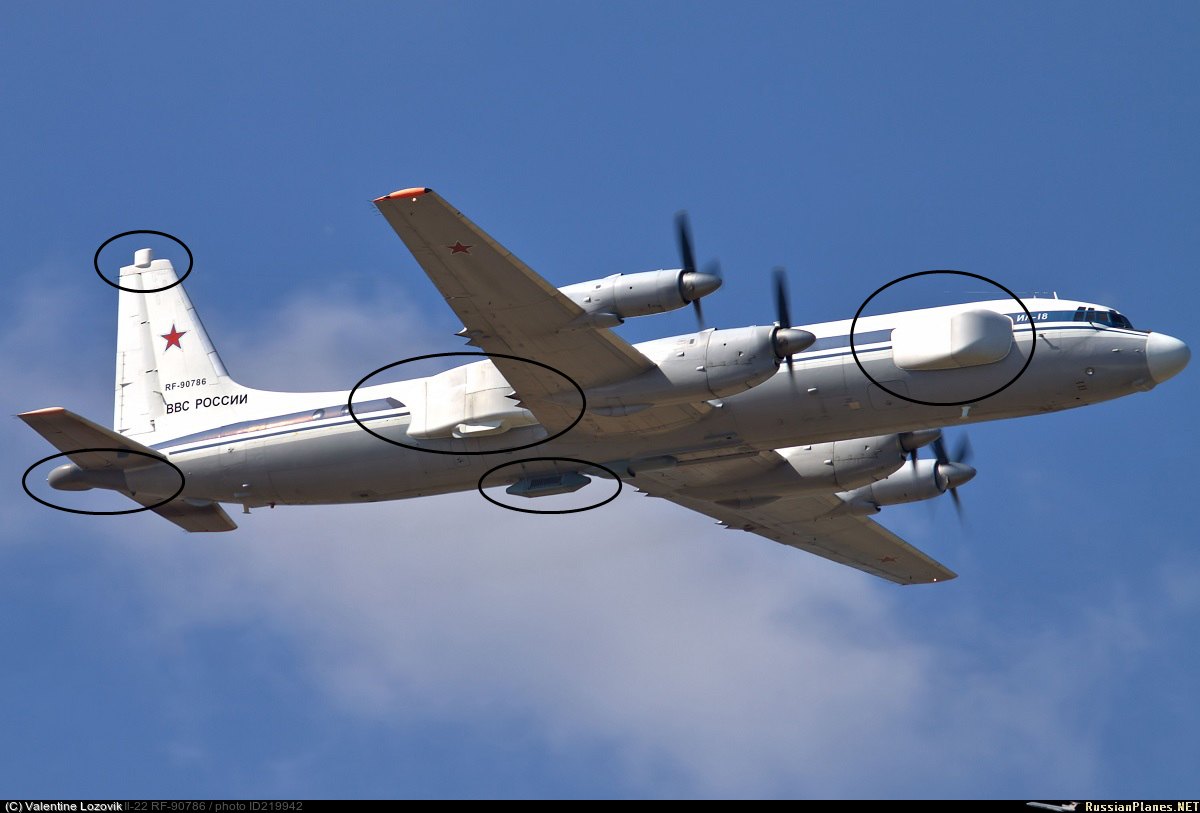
(79, 438)
(508, 309)
(802, 522)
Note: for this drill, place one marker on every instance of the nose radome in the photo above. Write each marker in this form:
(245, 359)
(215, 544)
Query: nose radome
(1166, 356)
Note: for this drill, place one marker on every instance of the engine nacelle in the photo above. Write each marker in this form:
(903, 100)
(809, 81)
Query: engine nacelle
(610, 301)
(846, 464)
(819, 468)
(700, 366)
(924, 481)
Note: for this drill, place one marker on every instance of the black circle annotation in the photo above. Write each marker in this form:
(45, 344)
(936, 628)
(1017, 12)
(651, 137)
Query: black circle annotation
(155, 458)
(364, 379)
(585, 463)
(96, 261)
(1032, 346)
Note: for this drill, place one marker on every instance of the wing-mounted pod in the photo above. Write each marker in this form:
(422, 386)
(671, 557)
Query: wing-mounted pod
(964, 339)
(469, 401)
(701, 366)
(610, 301)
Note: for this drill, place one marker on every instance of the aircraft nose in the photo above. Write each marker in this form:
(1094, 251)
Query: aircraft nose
(1166, 356)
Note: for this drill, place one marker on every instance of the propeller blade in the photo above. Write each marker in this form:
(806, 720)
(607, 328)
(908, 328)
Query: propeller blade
(781, 298)
(939, 451)
(684, 231)
(781, 308)
(958, 505)
(963, 453)
(955, 470)
(694, 284)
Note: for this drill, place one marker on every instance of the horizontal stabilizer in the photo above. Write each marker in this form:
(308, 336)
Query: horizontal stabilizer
(193, 515)
(75, 435)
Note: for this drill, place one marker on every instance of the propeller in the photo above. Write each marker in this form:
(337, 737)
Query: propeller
(693, 284)
(954, 469)
(788, 340)
(911, 441)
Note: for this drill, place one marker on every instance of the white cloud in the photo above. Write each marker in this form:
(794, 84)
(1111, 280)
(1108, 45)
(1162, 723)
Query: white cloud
(328, 336)
(711, 668)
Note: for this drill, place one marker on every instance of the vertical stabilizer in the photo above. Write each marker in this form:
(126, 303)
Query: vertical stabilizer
(167, 368)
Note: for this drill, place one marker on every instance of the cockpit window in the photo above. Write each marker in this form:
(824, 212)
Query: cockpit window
(1103, 318)
(1080, 314)
(1120, 321)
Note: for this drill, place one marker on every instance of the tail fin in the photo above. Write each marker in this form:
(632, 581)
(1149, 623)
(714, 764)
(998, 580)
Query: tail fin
(165, 359)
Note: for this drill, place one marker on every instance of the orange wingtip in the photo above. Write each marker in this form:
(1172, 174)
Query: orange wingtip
(405, 193)
(37, 413)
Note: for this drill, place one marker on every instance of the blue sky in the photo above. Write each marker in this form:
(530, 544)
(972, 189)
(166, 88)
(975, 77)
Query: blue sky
(446, 648)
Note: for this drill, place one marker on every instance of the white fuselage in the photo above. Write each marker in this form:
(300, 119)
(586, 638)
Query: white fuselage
(274, 448)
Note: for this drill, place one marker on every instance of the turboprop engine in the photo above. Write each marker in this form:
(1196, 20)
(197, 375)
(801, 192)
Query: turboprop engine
(700, 366)
(923, 480)
(610, 301)
(819, 468)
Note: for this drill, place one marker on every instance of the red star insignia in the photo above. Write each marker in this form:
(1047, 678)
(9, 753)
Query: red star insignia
(459, 248)
(173, 338)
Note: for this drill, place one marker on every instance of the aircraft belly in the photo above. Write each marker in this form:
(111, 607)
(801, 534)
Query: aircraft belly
(212, 474)
(894, 397)
(341, 467)
(827, 400)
